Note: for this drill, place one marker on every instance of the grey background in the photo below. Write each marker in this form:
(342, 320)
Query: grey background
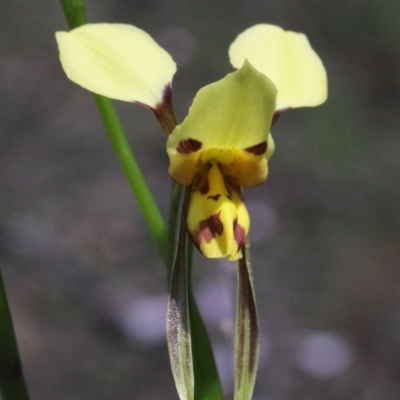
(86, 286)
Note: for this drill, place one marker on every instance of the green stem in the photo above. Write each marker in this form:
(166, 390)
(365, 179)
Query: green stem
(12, 382)
(133, 174)
(74, 11)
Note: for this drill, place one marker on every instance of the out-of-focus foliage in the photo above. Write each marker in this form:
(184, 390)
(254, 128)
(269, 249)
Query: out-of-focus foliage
(85, 284)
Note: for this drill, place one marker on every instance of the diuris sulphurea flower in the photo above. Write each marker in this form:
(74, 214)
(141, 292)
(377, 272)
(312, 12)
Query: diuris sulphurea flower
(224, 143)
(221, 147)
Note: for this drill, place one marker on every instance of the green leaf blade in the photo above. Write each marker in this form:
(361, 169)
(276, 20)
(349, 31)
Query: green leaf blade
(207, 384)
(12, 382)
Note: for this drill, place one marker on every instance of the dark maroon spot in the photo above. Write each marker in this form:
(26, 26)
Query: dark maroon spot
(188, 146)
(209, 228)
(167, 95)
(164, 111)
(205, 186)
(239, 234)
(233, 187)
(215, 197)
(258, 149)
(201, 182)
(277, 114)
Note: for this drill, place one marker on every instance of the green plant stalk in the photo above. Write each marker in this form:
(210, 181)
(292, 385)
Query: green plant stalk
(134, 176)
(12, 382)
(74, 11)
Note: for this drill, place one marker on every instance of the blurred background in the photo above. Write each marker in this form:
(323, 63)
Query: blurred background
(86, 287)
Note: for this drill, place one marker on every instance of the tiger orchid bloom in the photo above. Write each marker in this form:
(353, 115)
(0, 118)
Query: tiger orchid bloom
(219, 148)
(224, 143)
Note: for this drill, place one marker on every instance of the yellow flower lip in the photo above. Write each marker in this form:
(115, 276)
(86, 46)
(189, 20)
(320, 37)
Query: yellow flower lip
(217, 221)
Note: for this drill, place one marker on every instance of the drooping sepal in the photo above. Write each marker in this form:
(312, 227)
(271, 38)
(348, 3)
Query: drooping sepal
(247, 336)
(218, 221)
(179, 336)
(118, 61)
(287, 59)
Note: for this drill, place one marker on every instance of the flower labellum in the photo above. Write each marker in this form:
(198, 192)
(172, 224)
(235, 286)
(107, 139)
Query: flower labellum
(218, 221)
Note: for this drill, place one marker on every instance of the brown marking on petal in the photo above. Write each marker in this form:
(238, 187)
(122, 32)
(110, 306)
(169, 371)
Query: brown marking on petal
(205, 186)
(164, 111)
(277, 114)
(201, 182)
(231, 186)
(167, 94)
(210, 227)
(258, 149)
(188, 146)
(215, 197)
(239, 234)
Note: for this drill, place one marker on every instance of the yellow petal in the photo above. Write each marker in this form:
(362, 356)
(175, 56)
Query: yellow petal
(116, 60)
(233, 113)
(217, 221)
(185, 160)
(287, 59)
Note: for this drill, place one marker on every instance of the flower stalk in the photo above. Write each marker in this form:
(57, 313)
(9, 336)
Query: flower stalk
(134, 175)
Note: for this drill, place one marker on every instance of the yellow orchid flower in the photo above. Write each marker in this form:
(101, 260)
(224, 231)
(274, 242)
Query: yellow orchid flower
(224, 143)
(219, 147)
